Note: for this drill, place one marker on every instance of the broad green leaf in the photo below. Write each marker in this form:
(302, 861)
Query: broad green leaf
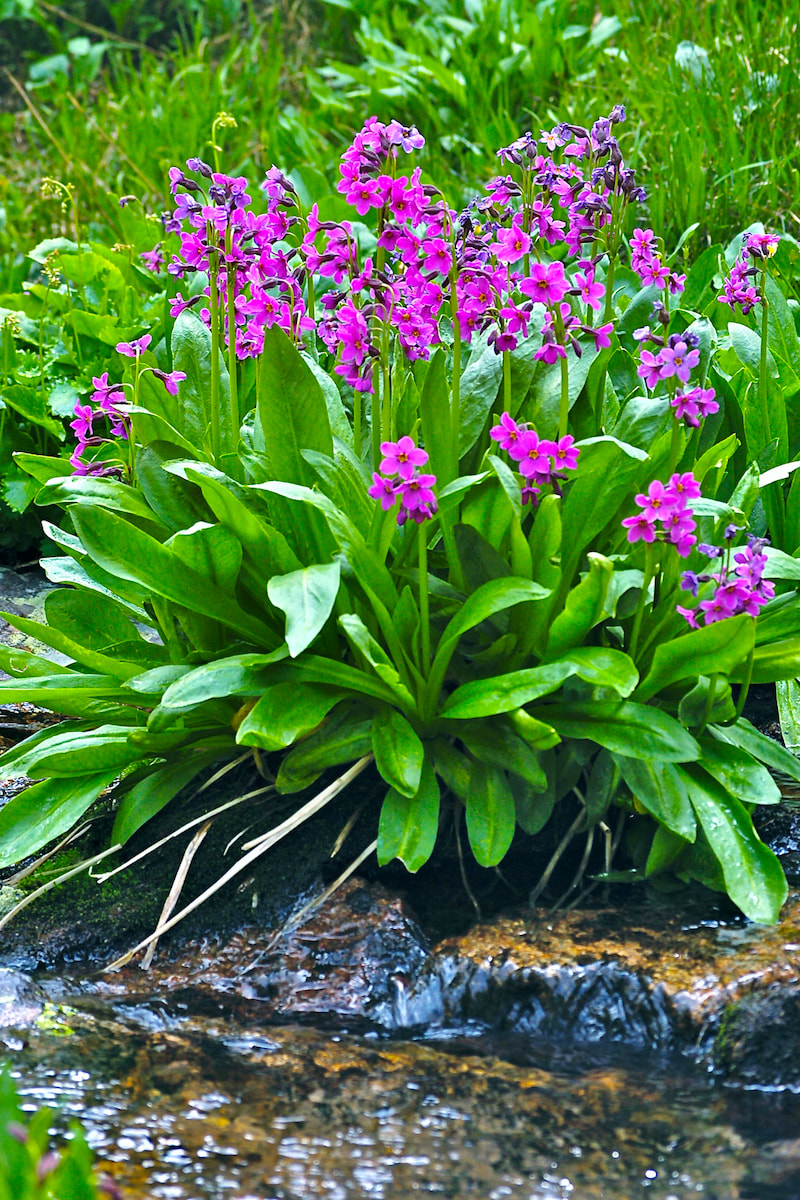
(636, 730)
(102, 663)
(503, 693)
(176, 501)
(22, 664)
(232, 507)
(479, 386)
(772, 662)
(286, 712)
(365, 644)
(434, 408)
(210, 550)
(149, 795)
(75, 751)
(583, 609)
(94, 620)
(607, 470)
(538, 735)
(408, 825)
(45, 811)
(662, 790)
(498, 745)
(765, 749)
(738, 772)
(307, 598)
(73, 694)
(788, 696)
(313, 668)
(87, 489)
(666, 847)
(491, 598)
(399, 753)
(719, 648)
(491, 816)
(238, 675)
(344, 737)
(753, 875)
(121, 549)
(367, 567)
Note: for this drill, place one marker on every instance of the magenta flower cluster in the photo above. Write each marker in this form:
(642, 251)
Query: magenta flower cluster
(674, 360)
(98, 426)
(739, 585)
(539, 461)
(485, 269)
(666, 514)
(646, 261)
(400, 479)
(739, 288)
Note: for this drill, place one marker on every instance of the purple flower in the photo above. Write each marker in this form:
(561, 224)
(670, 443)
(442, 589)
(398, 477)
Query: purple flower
(415, 493)
(135, 348)
(402, 458)
(546, 283)
(384, 490)
(640, 527)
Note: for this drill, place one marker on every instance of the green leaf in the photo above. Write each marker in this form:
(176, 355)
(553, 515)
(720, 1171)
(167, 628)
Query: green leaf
(365, 644)
(44, 812)
(738, 772)
(491, 598)
(753, 875)
(286, 712)
(86, 489)
(498, 745)
(408, 825)
(718, 648)
(210, 550)
(149, 795)
(102, 663)
(76, 751)
(238, 675)
(399, 753)
(788, 697)
(479, 386)
(608, 469)
(307, 598)
(503, 693)
(95, 620)
(583, 609)
(491, 816)
(767, 751)
(636, 730)
(434, 407)
(125, 551)
(345, 736)
(662, 790)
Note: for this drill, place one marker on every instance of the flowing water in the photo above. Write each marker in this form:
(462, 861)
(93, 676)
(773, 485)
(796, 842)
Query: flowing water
(184, 1100)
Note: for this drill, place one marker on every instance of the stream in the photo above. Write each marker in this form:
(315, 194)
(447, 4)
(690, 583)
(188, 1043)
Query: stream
(183, 1099)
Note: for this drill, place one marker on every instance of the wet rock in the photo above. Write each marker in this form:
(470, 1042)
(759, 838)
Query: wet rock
(758, 1041)
(350, 963)
(21, 1000)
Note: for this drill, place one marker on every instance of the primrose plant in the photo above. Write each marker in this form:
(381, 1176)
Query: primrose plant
(453, 493)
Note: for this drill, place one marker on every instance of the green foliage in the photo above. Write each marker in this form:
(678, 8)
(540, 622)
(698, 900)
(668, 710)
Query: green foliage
(29, 1168)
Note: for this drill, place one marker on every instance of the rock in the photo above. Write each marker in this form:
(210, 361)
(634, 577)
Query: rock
(21, 1000)
(758, 1040)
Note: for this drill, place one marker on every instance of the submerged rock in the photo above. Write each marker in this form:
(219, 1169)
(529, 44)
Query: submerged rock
(21, 1000)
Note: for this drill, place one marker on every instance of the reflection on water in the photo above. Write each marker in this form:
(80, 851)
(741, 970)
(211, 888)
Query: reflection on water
(184, 1106)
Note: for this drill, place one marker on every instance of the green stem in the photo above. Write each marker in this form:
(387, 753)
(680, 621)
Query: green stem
(455, 391)
(563, 408)
(745, 685)
(674, 447)
(424, 616)
(216, 429)
(762, 366)
(507, 380)
(609, 307)
(358, 406)
(649, 572)
(233, 370)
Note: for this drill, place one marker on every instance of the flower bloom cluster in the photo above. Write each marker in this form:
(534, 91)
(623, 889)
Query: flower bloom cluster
(539, 461)
(739, 584)
(647, 263)
(400, 479)
(666, 505)
(739, 288)
(674, 359)
(97, 426)
(102, 420)
(485, 269)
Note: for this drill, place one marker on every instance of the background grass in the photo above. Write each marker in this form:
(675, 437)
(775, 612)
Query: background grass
(109, 96)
